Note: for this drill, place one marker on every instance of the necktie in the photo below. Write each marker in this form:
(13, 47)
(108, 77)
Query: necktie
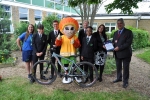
(87, 40)
(119, 32)
(56, 33)
(40, 35)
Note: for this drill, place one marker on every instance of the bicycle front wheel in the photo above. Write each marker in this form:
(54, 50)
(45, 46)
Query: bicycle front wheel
(85, 74)
(42, 70)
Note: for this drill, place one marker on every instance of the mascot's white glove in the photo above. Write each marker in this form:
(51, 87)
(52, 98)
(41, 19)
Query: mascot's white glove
(72, 41)
(58, 37)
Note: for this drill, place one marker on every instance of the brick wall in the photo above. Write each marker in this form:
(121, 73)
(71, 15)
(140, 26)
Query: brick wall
(15, 15)
(31, 16)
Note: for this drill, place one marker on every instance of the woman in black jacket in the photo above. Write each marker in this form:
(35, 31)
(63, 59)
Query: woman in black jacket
(100, 55)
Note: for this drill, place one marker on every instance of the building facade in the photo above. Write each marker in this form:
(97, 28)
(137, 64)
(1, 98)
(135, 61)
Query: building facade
(33, 11)
(138, 20)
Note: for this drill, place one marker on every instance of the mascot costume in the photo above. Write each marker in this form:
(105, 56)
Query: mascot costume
(68, 42)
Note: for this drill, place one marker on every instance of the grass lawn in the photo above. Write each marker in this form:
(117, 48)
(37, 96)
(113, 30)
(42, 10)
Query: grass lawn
(17, 88)
(145, 56)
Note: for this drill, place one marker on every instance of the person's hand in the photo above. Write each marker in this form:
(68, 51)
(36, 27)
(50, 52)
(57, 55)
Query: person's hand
(104, 47)
(58, 37)
(37, 54)
(40, 53)
(20, 48)
(81, 57)
(54, 46)
(116, 49)
(72, 41)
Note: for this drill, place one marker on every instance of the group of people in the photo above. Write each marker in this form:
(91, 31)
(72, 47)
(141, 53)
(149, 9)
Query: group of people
(91, 47)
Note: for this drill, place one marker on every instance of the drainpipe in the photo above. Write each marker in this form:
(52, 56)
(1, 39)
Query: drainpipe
(137, 21)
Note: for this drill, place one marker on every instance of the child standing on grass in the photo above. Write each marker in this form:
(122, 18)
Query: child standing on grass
(89, 46)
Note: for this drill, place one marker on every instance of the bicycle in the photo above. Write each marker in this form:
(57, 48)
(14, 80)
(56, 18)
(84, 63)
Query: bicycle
(75, 71)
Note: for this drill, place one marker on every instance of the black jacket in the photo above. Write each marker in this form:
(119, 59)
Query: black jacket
(51, 40)
(39, 44)
(99, 42)
(81, 35)
(89, 49)
(124, 43)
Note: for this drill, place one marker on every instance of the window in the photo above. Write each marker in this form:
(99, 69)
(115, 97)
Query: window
(38, 16)
(23, 15)
(110, 27)
(80, 26)
(5, 19)
(94, 27)
(59, 16)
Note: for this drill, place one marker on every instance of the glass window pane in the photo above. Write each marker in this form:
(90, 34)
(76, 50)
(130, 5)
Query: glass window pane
(107, 29)
(23, 10)
(5, 25)
(37, 12)
(112, 28)
(23, 16)
(38, 18)
(5, 7)
(113, 24)
(107, 24)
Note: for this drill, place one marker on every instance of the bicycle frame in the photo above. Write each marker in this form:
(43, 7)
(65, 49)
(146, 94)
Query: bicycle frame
(71, 66)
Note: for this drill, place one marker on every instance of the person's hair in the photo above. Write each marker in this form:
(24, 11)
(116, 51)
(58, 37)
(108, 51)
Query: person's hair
(103, 32)
(90, 28)
(55, 21)
(27, 31)
(86, 21)
(121, 20)
(40, 26)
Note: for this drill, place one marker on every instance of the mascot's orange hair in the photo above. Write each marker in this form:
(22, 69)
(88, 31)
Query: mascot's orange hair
(68, 21)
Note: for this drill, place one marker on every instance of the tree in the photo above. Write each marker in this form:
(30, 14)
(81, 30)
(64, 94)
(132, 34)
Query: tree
(124, 5)
(89, 8)
(86, 9)
(48, 21)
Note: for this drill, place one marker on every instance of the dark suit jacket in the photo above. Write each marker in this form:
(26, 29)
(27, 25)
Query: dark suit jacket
(39, 44)
(89, 49)
(124, 43)
(51, 40)
(99, 42)
(81, 35)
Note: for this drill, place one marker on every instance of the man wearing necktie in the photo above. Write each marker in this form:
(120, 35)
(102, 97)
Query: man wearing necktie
(51, 41)
(81, 35)
(122, 41)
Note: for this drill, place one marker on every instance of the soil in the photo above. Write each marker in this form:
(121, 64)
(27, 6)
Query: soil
(139, 78)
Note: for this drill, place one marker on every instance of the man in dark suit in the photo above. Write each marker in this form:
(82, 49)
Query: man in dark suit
(82, 34)
(122, 41)
(39, 43)
(51, 40)
(89, 47)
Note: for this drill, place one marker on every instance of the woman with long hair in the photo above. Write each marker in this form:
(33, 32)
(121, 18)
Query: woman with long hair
(100, 55)
(26, 47)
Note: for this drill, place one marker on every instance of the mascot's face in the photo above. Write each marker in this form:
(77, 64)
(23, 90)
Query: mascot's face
(69, 31)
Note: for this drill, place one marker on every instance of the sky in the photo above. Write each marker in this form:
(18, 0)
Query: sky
(143, 7)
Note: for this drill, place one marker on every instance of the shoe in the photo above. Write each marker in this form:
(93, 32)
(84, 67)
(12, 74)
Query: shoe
(86, 80)
(32, 79)
(51, 76)
(117, 80)
(100, 79)
(43, 77)
(59, 74)
(78, 79)
(125, 85)
(29, 76)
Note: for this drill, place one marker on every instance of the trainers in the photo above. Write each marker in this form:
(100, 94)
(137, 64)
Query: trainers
(29, 76)
(32, 79)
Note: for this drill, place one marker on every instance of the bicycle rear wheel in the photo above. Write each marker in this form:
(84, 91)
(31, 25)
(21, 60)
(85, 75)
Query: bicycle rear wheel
(43, 77)
(85, 74)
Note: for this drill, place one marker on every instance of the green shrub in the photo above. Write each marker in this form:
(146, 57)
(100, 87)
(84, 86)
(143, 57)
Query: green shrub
(140, 37)
(48, 22)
